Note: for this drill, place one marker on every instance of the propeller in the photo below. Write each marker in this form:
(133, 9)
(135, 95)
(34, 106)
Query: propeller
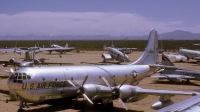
(8, 71)
(80, 90)
(11, 70)
(115, 92)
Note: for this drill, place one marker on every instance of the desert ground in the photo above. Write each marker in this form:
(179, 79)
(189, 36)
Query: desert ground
(82, 105)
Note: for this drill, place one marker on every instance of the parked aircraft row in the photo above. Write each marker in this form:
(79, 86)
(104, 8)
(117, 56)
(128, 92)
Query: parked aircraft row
(95, 83)
(190, 54)
(37, 49)
(29, 61)
(177, 75)
(184, 55)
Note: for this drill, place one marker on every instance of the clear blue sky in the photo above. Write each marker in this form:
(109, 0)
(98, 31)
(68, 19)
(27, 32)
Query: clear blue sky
(97, 17)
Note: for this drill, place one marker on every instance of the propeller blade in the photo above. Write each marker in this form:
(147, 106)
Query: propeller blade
(71, 83)
(75, 101)
(7, 71)
(120, 101)
(11, 70)
(104, 79)
(15, 67)
(122, 83)
(86, 77)
(158, 71)
(107, 100)
(87, 98)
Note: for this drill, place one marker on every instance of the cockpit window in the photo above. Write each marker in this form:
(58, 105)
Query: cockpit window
(19, 77)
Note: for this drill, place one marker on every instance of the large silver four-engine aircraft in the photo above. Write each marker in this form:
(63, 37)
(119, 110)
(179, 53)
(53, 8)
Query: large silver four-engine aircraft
(177, 75)
(190, 54)
(95, 83)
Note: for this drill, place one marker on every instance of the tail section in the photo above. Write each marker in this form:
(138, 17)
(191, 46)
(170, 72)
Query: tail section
(66, 46)
(150, 55)
(104, 47)
(166, 61)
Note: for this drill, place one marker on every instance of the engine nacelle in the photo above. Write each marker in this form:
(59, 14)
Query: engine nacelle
(129, 93)
(96, 92)
(157, 105)
(12, 60)
(4, 64)
(161, 104)
(36, 61)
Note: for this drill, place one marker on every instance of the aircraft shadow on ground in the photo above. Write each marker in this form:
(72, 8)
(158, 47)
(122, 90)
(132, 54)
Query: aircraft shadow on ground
(174, 83)
(4, 91)
(189, 62)
(59, 54)
(80, 106)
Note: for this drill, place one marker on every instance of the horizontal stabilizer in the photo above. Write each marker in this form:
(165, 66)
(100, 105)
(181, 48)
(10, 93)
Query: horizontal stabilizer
(164, 66)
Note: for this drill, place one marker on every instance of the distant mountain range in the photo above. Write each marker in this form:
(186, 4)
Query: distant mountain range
(175, 35)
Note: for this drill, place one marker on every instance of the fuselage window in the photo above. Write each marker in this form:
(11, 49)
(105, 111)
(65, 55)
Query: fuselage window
(19, 81)
(24, 76)
(20, 77)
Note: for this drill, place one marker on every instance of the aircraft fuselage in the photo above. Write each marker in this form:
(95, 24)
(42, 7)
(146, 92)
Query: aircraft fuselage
(42, 83)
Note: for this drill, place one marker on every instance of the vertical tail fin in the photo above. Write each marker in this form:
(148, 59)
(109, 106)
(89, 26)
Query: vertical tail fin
(66, 46)
(166, 61)
(104, 47)
(150, 55)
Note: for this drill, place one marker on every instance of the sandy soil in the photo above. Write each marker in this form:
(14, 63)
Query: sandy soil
(83, 105)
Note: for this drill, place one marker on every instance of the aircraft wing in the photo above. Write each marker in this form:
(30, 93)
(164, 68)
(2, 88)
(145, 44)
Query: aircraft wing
(163, 92)
(104, 63)
(164, 66)
(67, 48)
(172, 76)
(7, 50)
(5, 63)
(49, 49)
(52, 63)
(197, 58)
(188, 105)
(54, 49)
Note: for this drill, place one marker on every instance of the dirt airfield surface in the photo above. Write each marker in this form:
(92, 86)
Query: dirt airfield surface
(83, 105)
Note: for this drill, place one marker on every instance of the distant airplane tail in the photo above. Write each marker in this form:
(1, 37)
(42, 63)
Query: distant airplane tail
(66, 46)
(150, 55)
(166, 61)
(104, 47)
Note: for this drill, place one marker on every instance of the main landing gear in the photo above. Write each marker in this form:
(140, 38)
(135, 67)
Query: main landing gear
(22, 104)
